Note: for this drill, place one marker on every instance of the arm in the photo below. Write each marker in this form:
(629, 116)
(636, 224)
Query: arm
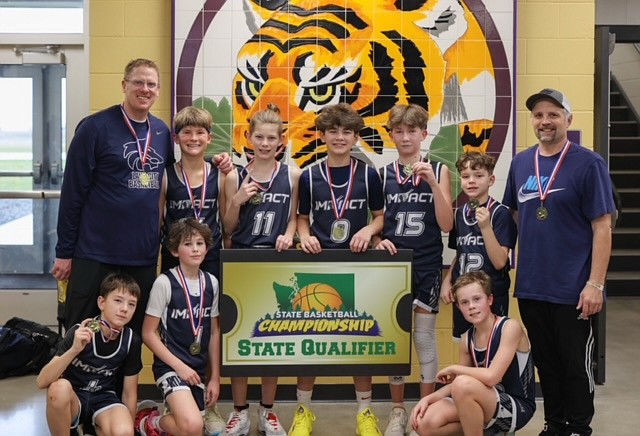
(130, 394)
(163, 198)
(441, 193)
(421, 408)
(223, 162)
(511, 334)
(232, 212)
(445, 290)
(54, 369)
(76, 186)
(591, 298)
(360, 241)
(213, 386)
(498, 254)
(159, 349)
(222, 197)
(308, 243)
(442, 200)
(285, 241)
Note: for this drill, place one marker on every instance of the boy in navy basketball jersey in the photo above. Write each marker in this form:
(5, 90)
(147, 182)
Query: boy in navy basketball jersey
(417, 211)
(81, 378)
(193, 187)
(483, 234)
(493, 386)
(261, 213)
(336, 196)
(181, 329)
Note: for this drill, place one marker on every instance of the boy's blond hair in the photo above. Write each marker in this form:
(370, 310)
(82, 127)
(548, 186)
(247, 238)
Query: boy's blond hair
(194, 117)
(479, 277)
(339, 115)
(476, 161)
(410, 115)
(270, 115)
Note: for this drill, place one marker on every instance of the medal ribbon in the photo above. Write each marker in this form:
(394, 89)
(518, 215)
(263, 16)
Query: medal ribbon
(273, 177)
(147, 143)
(473, 346)
(112, 332)
(466, 210)
(554, 173)
(415, 179)
(339, 211)
(205, 175)
(185, 288)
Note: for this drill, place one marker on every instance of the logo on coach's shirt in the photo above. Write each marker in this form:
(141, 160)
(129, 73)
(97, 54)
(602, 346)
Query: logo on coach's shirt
(131, 154)
(529, 189)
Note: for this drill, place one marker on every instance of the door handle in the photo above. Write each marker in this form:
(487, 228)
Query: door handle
(37, 172)
(55, 173)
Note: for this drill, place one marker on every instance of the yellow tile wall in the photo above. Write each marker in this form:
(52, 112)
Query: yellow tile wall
(555, 48)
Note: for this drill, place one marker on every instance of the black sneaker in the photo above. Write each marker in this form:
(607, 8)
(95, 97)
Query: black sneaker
(550, 430)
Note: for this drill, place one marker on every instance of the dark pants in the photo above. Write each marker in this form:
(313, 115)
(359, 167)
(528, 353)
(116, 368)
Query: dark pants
(84, 289)
(562, 347)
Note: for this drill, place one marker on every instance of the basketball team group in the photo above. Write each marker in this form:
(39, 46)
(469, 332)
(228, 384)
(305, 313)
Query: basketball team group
(125, 198)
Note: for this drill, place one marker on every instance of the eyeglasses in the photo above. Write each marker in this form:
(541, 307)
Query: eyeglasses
(141, 83)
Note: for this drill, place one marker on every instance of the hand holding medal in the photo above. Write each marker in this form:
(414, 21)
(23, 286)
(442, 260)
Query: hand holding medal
(94, 325)
(246, 192)
(424, 170)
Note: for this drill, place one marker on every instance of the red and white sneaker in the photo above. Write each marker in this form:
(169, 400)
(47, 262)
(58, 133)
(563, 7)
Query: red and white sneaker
(268, 423)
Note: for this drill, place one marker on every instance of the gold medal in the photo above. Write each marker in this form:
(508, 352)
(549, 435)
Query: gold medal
(194, 348)
(542, 213)
(473, 203)
(407, 170)
(94, 325)
(339, 230)
(145, 179)
(256, 199)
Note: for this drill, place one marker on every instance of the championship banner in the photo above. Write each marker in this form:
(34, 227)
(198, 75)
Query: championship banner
(333, 313)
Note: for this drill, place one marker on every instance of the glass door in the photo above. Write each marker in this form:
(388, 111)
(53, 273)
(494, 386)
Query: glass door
(32, 123)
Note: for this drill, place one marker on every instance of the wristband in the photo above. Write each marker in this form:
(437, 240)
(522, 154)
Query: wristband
(598, 286)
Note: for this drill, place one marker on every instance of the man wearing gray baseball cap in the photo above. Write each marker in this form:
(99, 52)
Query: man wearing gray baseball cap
(560, 194)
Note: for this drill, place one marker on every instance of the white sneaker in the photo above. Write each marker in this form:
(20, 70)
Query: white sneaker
(268, 423)
(238, 423)
(214, 425)
(397, 422)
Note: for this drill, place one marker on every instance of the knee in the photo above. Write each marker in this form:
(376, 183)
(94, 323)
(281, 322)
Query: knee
(190, 425)
(122, 430)
(429, 423)
(463, 387)
(60, 393)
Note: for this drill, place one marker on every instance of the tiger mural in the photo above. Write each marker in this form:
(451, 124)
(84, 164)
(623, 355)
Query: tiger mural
(371, 54)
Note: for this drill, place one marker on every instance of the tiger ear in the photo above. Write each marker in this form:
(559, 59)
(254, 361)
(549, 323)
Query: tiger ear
(409, 5)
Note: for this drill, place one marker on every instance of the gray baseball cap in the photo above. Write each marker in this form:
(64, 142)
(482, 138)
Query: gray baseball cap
(549, 94)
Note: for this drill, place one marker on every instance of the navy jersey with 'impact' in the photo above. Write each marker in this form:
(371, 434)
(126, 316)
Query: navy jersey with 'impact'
(259, 225)
(94, 368)
(471, 253)
(410, 218)
(316, 201)
(168, 302)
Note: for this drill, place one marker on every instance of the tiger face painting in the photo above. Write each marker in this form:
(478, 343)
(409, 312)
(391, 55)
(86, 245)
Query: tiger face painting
(308, 54)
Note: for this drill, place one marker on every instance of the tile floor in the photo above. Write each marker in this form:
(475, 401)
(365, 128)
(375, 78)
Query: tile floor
(22, 405)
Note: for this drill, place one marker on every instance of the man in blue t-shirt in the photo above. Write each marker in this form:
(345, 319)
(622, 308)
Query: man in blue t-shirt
(109, 217)
(560, 194)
